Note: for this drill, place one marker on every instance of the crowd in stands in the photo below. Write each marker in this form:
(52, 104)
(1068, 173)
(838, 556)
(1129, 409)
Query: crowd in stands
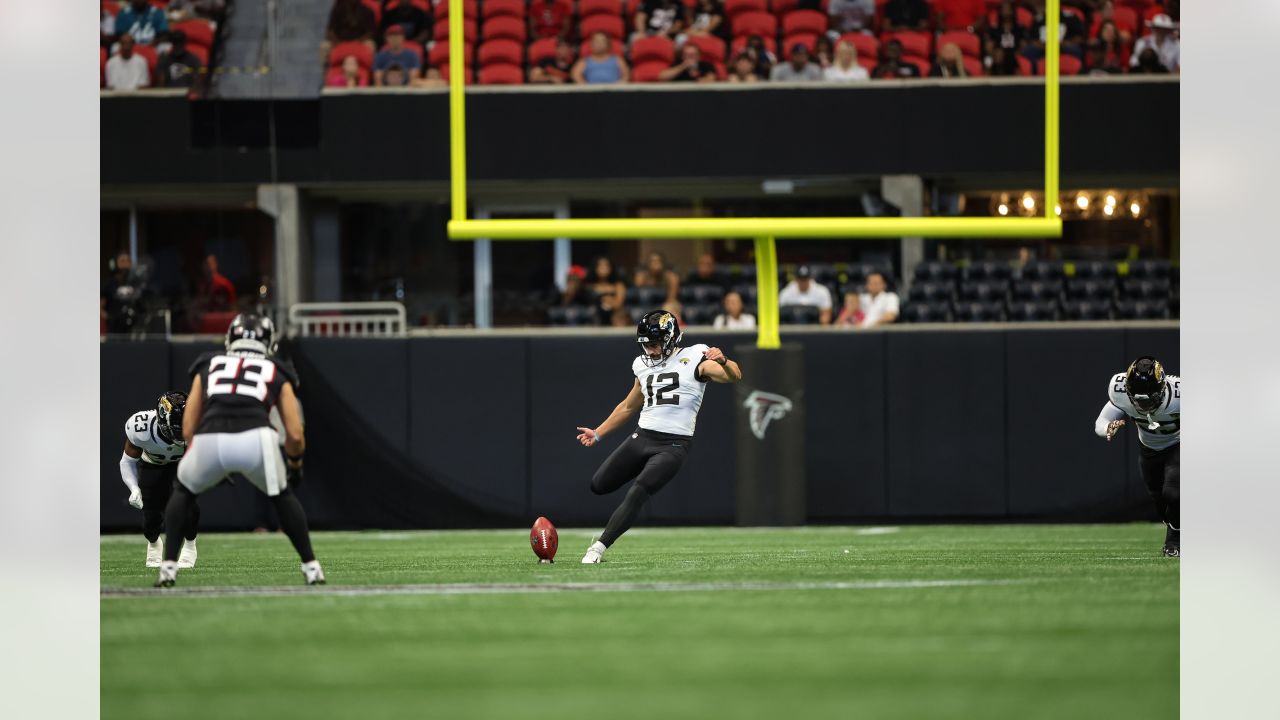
(156, 43)
(857, 295)
(618, 41)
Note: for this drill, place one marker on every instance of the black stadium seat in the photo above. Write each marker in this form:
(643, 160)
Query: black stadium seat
(1032, 310)
(1095, 269)
(931, 292)
(985, 291)
(1145, 288)
(798, 315)
(650, 297)
(1142, 309)
(1037, 289)
(1087, 310)
(986, 270)
(556, 316)
(1150, 268)
(935, 271)
(1041, 270)
(703, 314)
(979, 311)
(748, 292)
(926, 312)
(1092, 288)
(701, 294)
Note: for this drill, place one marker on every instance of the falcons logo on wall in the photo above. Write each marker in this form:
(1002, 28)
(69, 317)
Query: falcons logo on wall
(764, 408)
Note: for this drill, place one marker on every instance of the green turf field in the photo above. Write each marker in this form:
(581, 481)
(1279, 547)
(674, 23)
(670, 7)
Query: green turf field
(914, 622)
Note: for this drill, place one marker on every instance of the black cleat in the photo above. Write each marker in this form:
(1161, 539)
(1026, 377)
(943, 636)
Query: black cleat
(1172, 551)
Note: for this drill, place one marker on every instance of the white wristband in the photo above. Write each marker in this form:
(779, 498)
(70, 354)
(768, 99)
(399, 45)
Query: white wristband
(596, 435)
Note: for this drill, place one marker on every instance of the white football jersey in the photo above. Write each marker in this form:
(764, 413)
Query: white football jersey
(141, 431)
(1160, 429)
(672, 392)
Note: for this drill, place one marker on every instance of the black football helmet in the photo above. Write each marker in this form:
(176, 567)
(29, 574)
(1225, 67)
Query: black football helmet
(169, 410)
(658, 326)
(1144, 384)
(251, 334)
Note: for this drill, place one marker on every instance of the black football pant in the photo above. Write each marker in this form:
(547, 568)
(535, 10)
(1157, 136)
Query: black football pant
(650, 458)
(1160, 473)
(156, 483)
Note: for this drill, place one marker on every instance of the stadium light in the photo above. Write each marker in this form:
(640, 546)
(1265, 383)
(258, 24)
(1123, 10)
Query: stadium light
(763, 231)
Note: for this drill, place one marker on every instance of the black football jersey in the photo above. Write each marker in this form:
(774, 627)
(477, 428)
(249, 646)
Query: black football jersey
(239, 391)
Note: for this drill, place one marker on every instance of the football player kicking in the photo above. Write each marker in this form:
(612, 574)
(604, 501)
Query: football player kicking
(1153, 401)
(670, 381)
(153, 445)
(228, 431)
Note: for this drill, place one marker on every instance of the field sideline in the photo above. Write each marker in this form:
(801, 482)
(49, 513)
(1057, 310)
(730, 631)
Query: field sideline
(1026, 621)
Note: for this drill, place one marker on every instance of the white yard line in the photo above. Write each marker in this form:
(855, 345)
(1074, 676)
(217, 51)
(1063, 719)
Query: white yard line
(524, 588)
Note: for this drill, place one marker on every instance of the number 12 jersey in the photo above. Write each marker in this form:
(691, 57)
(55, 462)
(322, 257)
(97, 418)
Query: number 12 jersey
(672, 391)
(239, 391)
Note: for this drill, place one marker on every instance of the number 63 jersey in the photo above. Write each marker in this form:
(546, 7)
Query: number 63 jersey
(239, 390)
(672, 391)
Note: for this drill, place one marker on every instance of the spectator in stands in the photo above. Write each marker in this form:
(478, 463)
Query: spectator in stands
(879, 307)
(824, 52)
(891, 65)
(733, 317)
(846, 67)
(950, 62)
(1003, 62)
(851, 314)
(1007, 34)
(760, 54)
(348, 75)
(690, 67)
(119, 292)
(556, 69)
(179, 67)
(967, 15)
(1115, 49)
(350, 20)
(706, 18)
(1148, 62)
(1163, 40)
(850, 16)
(657, 274)
(804, 291)
(1107, 13)
(412, 20)
(602, 66)
(180, 10)
(675, 307)
(743, 69)
(609, 290)
(575, 290)
(550, 19)
(1071, 35)
(393, 76)
(661, 17)
(705, 274)
(127, 70)
(395, 54)
(144, 22)
(106, 26)
(798, 68)
(218, 293)
(909, 15)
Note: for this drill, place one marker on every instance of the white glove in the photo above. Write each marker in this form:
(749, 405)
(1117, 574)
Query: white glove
(135, 499)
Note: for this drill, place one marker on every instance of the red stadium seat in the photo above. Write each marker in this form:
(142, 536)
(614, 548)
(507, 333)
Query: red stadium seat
(501, 74)
(868, 64)
(922, 63)
(362, 52)
(200, 52)
(469, 75)
(610, 25)
(1024, 65)
(806, 39)
(740, 43)
(648, 71)
(722, 73)
(588, 8)
(500, 52)
(967, 41)
(1126, 19)
(1067, 65)
(913, 43)
(1073, 10)
(102, 67)
(540, 50)
(974, 67)
(1024, 16)
(198, 32)
(653, 49)
(712, 47)
(440, 32)
(149, 54)
(782, 7)
(755, 23)
(633, 6)
(439, 55)
(504, 28)
(111, 6)
(503, 8)
(734, 8)
(470, 10)
(804, 21)
(867, 45)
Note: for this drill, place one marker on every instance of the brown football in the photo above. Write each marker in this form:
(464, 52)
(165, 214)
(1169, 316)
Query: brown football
(544, 539)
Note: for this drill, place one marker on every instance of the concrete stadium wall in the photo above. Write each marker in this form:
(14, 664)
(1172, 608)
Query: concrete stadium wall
(461, 430)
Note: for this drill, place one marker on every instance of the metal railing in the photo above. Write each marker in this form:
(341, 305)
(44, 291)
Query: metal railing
(349, 319)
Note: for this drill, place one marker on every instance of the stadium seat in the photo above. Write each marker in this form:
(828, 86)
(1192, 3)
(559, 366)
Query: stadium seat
(986, 270)
(647, 297)
(1024, 65)
(985, 291)
(501, 74)
(782, 7)
(610, 25)
(440, 33)
(799, 315)
(504, 28)
(1095, 269)
(858, 272)
(648, 71)
(701, 294)
(1087, 309)
(790, 41)
(468, 74)
(931, 292)
(556, 316)
(979, 311)
(712, 47)
(1142, 309)
(804, 21)
(935, 271)
(614, 47)
(748, 292)
(966, 41)
(1032, 311)
(375, 6)
(496, 52)
(1067, 65)
(504, 8)
(198, 32)
(588, 8)
(540, 50)
(867, 45)
(200, 52)
(926, 312)
(734, 8)
(657, 48)
(1024, 16)
(1091, 288)
(470, 10)
(1037, 289)
(1073, 10)
(1150, 268)
(700, 314)
(740, 43)
(438, 57)
(973, 66)
(1041, 270)
(914, 44)
(753, 22)
(1145, 288)
(148, 53)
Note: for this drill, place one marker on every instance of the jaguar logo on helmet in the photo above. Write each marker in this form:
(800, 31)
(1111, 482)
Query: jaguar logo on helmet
(765, 407)
(1144, 384)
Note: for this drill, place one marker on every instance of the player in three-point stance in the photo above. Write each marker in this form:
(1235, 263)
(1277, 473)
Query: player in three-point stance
(1153, 401)
(228, 431)
(153, 445)
(670, 381)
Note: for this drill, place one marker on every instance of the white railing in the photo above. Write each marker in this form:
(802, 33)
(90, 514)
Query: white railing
(351, 319)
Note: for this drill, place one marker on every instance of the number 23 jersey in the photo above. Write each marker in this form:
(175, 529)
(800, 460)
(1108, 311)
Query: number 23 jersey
(239, 390)
(672, 391)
